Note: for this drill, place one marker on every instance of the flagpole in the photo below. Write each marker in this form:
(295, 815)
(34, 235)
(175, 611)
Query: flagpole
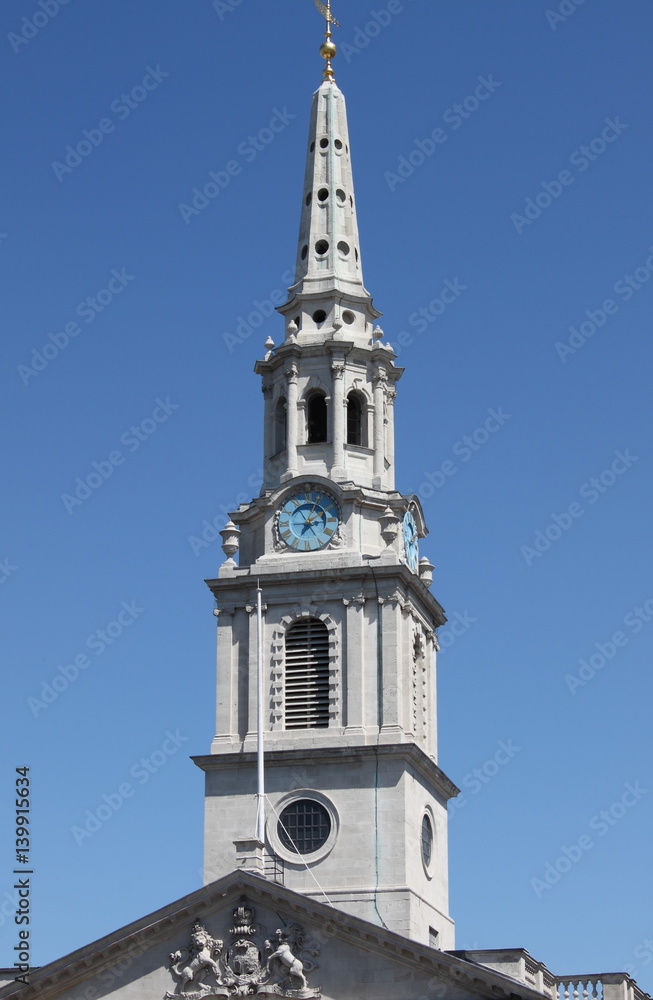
(260, 809)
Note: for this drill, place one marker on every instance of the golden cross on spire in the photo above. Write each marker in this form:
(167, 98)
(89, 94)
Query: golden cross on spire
(327, 49)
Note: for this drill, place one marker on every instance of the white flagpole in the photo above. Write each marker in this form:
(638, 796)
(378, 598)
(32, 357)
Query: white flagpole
(260, 810)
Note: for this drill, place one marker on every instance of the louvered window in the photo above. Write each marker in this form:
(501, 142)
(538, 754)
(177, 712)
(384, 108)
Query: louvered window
(307, 675)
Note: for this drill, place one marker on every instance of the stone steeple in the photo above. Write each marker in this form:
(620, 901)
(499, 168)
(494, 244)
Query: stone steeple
(355, 799)
(329, 275)
(329, 387)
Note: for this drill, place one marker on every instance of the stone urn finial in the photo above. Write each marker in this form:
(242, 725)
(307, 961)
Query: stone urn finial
(389, 525)
(230, 540)
(426, 568)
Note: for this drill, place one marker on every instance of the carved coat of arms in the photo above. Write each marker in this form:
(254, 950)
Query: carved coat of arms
(248, 965)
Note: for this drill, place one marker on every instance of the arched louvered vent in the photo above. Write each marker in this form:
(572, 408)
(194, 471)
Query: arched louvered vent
(307, 675)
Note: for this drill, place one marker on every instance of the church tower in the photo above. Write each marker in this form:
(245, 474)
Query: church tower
(356, 805)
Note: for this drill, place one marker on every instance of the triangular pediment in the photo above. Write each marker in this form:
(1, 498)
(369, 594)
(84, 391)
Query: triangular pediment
(247, 936)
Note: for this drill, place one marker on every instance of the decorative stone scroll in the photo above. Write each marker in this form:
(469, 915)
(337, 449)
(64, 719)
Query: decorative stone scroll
(245, 964)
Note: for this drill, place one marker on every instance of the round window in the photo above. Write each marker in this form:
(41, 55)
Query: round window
(427, 841)
(304, 826)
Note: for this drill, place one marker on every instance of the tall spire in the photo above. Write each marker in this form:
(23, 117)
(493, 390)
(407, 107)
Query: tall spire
(328, 273)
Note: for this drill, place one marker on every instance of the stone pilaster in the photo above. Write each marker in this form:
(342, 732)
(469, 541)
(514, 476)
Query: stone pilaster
(293, 423)
(380, 380)
(338, 397)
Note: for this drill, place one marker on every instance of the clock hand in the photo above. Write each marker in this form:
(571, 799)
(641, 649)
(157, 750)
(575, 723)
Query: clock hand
(313, 507)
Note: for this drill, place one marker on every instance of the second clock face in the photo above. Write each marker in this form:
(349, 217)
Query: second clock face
(308, 521)
(411, 541)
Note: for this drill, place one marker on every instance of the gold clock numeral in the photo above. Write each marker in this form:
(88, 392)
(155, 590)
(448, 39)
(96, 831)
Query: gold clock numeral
(328, 531)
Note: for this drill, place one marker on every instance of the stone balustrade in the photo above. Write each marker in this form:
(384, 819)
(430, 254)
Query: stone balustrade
(600, 986)
(518, 964)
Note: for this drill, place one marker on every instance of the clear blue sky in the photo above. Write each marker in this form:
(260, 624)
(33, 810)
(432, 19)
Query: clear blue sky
(553, 110)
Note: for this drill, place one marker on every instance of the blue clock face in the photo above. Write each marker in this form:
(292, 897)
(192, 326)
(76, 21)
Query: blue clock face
(411, 541)
(308, 521)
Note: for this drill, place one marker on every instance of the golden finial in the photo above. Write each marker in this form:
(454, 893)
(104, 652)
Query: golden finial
(327, 49)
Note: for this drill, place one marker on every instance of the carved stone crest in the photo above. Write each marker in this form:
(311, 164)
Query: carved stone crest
(249, 965)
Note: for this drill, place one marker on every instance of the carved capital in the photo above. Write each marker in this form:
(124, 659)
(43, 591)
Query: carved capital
(338, 370)
(291, 374)
(359, 600)
(380, 379)
(267, 391)
(228, 609)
